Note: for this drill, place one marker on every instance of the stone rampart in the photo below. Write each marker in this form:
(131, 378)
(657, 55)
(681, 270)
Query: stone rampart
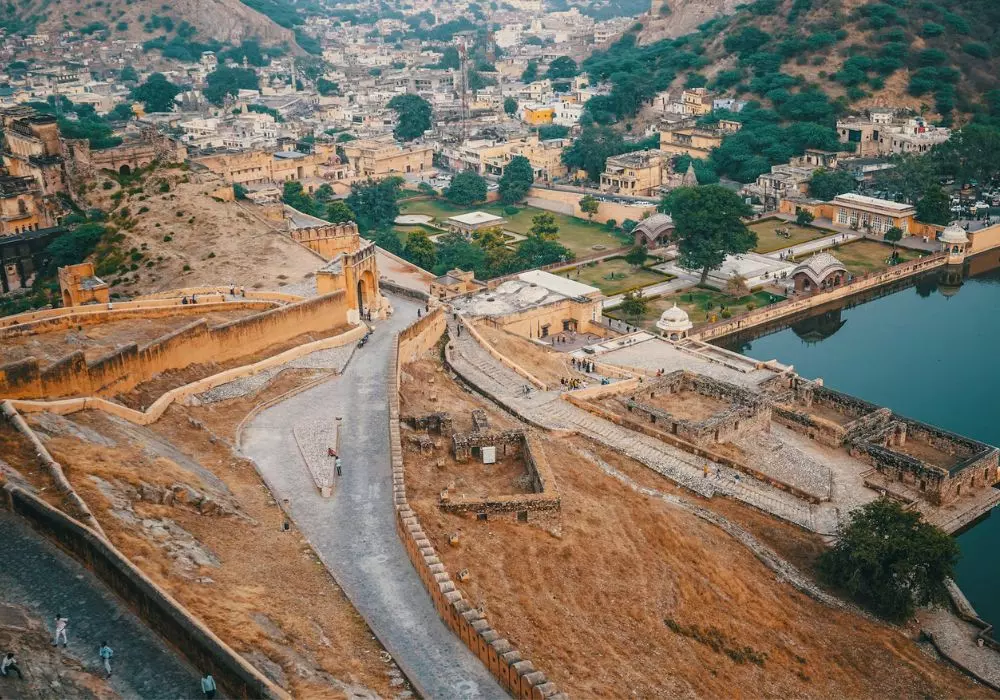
(127, 367)
(418, 338)
(500, 357)
(206, 652)
(518, 676)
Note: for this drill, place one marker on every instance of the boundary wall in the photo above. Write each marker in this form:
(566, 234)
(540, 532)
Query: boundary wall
(196, 342)
(516, 675)
(502, 359)
(206, 652)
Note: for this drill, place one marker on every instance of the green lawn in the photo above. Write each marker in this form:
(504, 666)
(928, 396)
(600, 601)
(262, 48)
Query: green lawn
(768, 241)
(700, 304)
(614, 276)
(864, 256)
(578, 235)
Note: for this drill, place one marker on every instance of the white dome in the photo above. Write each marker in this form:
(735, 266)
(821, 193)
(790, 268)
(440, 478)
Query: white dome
(954, 234)
(674, 320)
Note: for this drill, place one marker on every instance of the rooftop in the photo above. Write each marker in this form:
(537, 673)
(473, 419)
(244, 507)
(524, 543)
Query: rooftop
(476, 218)
(863, 201)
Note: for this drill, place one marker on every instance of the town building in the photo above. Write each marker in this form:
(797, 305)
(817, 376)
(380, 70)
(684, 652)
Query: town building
(455, 283)
(697, 102)
(818, 273)
(382, 158)
(654, 231)
(468, 224)
(880, 133)
(638, 174)
(693, 141)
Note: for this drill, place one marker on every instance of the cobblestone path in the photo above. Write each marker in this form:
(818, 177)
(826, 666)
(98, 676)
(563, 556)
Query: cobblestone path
(39, 576)
(354, 532)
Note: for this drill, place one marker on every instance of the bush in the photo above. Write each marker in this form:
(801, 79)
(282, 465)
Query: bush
(107, 185)
(510, 211)
(186, 268)
(167, 238)
(932, 29)
(977, 49)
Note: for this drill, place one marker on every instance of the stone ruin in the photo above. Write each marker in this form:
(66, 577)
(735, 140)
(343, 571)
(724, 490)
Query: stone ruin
(745, 411)
(910, 460)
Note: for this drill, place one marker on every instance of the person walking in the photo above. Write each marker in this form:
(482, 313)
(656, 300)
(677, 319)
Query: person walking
(106, 652)
(9, 665)
(208, 686)
(61, 624)
(338, 464)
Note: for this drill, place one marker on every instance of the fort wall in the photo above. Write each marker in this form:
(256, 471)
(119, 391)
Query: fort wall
(127, 367)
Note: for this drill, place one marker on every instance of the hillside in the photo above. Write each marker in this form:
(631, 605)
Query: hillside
(225, 21)
(935, 58)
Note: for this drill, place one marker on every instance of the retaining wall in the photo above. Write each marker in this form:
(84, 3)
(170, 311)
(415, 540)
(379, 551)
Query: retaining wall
(197, 342)
(518, 676)
(206, 652)
(502, 359)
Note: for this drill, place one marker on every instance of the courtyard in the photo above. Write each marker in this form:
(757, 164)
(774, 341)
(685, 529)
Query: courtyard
(769, 241)
(615, 275)
(702, 306)
(580, 236)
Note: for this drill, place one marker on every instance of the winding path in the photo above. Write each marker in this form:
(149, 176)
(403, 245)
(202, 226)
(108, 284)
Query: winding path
(354, 532)
(39, 576)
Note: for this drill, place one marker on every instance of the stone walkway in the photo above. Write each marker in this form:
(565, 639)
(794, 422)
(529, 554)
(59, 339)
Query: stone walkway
(956, 639)
(548, 410)
(39, 576)
(354, 532)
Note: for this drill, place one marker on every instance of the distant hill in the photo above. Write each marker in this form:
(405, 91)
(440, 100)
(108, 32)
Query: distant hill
(197, 21)
(939, 57)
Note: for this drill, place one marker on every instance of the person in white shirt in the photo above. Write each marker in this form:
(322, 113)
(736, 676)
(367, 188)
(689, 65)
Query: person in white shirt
(208, 686)
(9, 665)
(61, 623)
(106, 652)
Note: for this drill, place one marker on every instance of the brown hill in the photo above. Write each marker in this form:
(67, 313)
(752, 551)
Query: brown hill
(222, 20)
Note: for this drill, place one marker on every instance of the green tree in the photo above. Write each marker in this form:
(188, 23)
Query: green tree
(637, 256)
(804, 217)
(934, 207)
(827, 184)
(226, 80)
(414, 116)
(375, 203)
(553, 131)
(455, 251)
(708, 222)
(894, 235)
(499, 258)
(591, 149)
(530, 73)
(129, 75)
(450, 58)
(562, 68)
(157, 93)
(634, 304)
(537, 250)
(419, 250)
(628, 225)
(327, 87)
(73, 247)
(544, 226)
(517, 179)
(510, 106)
(590, 205)
(121, 113)
(910, 177)
(295, 196)
(337, 211)
(386, 239)
(466, 188)
(890, 560)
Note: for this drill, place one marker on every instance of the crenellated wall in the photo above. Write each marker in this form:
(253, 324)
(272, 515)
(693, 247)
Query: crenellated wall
(197, 342)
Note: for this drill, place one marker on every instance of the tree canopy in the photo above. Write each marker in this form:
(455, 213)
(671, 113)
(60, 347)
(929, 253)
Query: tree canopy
(374, 203)
(827, 184)
(708, 222)
(414, 116)
(466, 188)
(226, 80)
(590, 205)
(419, 250)
(890, 560)
(510, 106)
(934, 207)
(157, 93)
(562, 68)
(517, 179)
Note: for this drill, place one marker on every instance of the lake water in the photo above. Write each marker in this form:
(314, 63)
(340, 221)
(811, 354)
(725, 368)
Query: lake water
(929, 352)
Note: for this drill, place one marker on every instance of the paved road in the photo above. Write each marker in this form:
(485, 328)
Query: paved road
(37, 575)
(354, 531)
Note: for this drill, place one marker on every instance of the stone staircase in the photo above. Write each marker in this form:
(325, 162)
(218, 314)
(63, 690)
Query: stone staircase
(480, 368)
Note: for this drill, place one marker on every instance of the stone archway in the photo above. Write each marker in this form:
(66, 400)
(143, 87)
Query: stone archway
(125, 170)
(366, 291)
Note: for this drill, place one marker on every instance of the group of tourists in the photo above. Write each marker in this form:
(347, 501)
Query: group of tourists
(9, 665)
(583, 365)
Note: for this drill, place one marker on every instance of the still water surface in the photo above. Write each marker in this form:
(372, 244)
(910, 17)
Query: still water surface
(931, 352)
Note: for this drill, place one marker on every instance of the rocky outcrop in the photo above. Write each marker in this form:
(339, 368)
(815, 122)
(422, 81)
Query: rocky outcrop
(683, 18)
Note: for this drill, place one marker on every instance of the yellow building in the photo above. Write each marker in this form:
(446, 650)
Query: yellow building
(455, 283)
(21, 206)
(33, 148)
(639, 174)
(545, 158)
(538, 115)
(696, 101)
(692, 141)
(377, 159)
(863, 213)
(79, 285)
(257, 167)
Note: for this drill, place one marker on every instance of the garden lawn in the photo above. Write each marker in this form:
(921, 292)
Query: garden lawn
(614, 276)
(865, 256)
(768, 241)
(579, 235)
(700, 304)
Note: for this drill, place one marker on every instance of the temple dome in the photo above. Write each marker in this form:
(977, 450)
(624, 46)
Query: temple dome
(674, 320)
(954, 234)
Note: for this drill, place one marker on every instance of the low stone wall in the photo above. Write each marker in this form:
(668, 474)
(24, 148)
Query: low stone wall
(790, 307)
(388, 285)
(518, 676)
(419, 337)
(206, 652)
(127, 367)
(253, 294)
(501, 358)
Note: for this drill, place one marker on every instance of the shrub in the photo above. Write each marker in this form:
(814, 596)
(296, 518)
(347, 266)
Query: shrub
(186, 268)
(164, 186)
(107, 184)
(977, 49)
(510, 211)
(167, 238)
(932, 29)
